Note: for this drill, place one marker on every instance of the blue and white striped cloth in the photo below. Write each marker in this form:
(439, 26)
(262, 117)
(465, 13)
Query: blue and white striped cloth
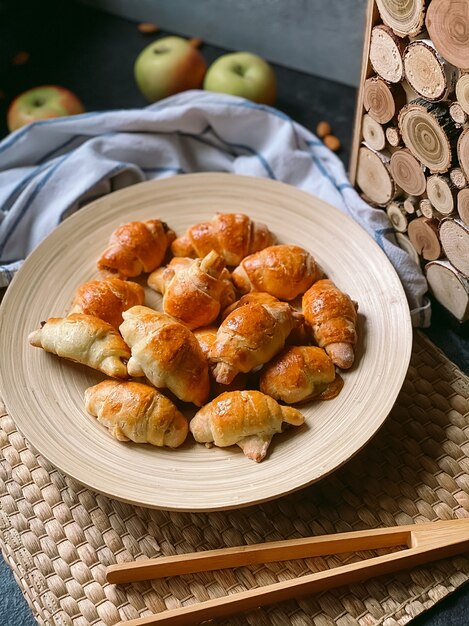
(51, 168)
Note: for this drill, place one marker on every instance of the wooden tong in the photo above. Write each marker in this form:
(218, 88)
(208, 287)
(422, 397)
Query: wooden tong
(421, 543)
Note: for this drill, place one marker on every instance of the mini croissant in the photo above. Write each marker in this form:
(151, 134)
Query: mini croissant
(332, 316)
(136, 247)
(284, 271)
(167, 353)
(206, 336)
(136, 412)
(107, 299)
(161, 278)
(247, 418)
(300, 373)
(84, 339)
(253, 332)
(232, 235)
(193, 295)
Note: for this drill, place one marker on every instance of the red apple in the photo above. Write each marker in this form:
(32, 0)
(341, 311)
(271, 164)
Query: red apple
(167, 66)
(40, 103)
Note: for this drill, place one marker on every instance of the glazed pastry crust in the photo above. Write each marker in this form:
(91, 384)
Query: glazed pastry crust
(136, 247)
(332, 316)
(167, 353)
(298, 374)
(107, 299)
(284, 271)
(253, 332)
(84, 339)
(232, 235)
(161, 278)
(246, 418)
(136, 412)
(193, 295)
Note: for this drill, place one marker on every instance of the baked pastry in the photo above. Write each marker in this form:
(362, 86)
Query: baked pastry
(193, 294)
(84, 339)
(167, 353)
(332, 317)
(299, 374)
(161, 277)
(206, 336)
(248, 419)
(136, 412)
(284, 271)
(232, 235)
(253, 332)
(107, 299)
(136, 247)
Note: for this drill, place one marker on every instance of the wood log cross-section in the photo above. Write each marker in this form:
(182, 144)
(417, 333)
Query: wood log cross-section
(386, 50)
(449, 287)
(405, 17)
(427, 209)
(430, 134)
(382, 101)
(447, 22)
(457, 177)
(462, 92)
(373, 133)
(442, 193)
(458, 114)
(411, 204)
(408, 172)
(463, 205)
(463, 152)
(393, 136)
(374, 178)
(397, 216)
(423, 234)
(454, 236)
(427, 72)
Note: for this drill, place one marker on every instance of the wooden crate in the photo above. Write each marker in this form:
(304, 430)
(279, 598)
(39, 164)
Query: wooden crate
(410, 152)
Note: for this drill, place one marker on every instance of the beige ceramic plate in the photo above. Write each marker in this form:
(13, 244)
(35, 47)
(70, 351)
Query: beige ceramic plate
(44, 394)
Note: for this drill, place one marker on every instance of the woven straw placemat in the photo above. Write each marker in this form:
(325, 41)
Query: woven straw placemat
(58, 537)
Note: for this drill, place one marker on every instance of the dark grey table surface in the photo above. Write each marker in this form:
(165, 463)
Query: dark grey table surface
(92, 53)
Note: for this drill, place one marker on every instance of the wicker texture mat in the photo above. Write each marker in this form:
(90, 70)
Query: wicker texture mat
(58, 537)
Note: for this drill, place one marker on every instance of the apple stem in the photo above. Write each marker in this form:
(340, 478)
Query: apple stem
(239, 70)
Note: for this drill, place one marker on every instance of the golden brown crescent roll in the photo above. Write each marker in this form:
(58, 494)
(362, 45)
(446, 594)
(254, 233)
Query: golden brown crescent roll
(136, 247)
(284, 271)
(248, 419)
(136, 412)
(300, 373)
(167, 353)
(193, 295)
(107, 299)
(332, 316)
(253, 332)
(84, 339)
(206, 337)
(161, 278)
(232, 235)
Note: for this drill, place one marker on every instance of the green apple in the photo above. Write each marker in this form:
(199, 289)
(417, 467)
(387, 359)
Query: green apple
(41, 103)
(167, 66)
(242, 74)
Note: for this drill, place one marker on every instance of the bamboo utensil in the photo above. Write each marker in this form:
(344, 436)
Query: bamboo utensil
(421, 543)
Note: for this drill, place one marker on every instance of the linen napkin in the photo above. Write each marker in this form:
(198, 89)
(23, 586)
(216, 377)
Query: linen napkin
(51, 168)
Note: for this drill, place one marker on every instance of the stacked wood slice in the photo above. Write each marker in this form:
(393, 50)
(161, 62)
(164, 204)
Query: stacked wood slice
(411, 147)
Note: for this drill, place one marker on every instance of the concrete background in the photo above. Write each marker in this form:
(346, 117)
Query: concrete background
(320, 37)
